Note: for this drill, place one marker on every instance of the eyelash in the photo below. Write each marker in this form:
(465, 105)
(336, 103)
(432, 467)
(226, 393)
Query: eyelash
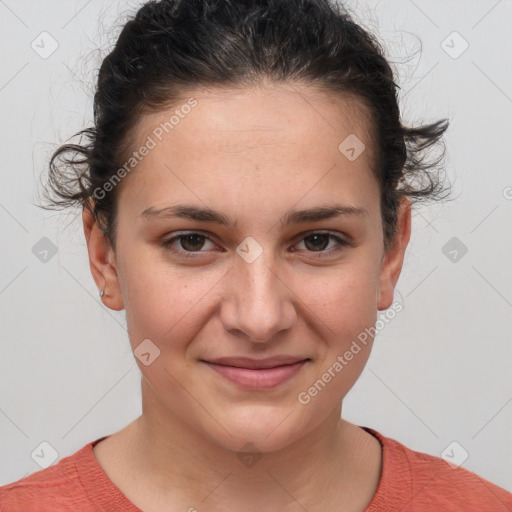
(167, 244)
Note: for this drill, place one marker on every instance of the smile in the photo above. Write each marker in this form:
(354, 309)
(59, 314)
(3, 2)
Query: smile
(258, 376)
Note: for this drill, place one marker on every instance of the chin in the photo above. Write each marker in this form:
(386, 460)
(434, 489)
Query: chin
(266, 429)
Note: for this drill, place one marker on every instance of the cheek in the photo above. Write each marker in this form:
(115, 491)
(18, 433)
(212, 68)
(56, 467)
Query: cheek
(347, 305)
(167, 304)
(345, 299)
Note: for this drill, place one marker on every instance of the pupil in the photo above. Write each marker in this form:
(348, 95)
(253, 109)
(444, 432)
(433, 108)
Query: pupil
(188, 238)
(320, 246)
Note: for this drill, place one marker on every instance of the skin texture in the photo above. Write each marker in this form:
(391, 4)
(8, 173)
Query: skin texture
(254, 155)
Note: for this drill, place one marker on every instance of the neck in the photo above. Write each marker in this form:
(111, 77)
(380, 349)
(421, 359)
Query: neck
(176, 462)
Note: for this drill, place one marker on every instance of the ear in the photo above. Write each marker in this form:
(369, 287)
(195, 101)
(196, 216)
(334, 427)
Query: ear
(394, 257)
(102, 261)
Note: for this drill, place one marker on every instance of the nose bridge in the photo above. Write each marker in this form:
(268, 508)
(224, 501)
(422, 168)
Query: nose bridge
(259, 304)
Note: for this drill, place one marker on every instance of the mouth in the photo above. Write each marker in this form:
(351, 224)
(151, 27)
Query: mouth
(257, 373)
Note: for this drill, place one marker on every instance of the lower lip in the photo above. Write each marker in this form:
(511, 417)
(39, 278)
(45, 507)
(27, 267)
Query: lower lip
(257, 379)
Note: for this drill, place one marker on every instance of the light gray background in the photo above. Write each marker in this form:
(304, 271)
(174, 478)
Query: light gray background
(439, 372)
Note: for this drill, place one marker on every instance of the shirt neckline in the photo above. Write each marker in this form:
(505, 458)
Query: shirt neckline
(100, 490)
(107, 496)
(394, 466)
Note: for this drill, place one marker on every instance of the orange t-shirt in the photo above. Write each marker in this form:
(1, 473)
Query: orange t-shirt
(410, 481)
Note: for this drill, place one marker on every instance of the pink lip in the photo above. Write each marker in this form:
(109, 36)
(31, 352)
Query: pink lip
(257, 373)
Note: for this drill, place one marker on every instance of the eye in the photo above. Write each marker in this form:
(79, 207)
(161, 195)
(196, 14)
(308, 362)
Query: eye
(317, 242)
(192, 243)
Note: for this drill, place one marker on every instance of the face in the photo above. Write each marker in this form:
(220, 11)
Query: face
(271, 247)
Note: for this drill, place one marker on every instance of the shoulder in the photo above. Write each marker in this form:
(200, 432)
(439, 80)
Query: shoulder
(422, 482)
(56, 488)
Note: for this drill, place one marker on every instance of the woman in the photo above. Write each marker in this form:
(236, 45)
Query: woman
(247, 191)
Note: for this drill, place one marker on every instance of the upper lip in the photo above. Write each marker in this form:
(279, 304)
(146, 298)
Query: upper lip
(256, 364)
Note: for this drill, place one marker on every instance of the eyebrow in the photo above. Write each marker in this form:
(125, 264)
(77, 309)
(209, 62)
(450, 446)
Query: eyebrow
(205, 214)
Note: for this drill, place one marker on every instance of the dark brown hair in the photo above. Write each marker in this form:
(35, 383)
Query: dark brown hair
(171, 46)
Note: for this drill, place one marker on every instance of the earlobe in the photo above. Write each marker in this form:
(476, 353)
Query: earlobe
(102, 262)
(394, 256)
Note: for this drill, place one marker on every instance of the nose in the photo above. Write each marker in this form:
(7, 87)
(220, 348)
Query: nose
(258, 302)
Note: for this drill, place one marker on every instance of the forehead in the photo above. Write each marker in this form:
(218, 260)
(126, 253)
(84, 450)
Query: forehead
(241, 119)
(227, 143)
